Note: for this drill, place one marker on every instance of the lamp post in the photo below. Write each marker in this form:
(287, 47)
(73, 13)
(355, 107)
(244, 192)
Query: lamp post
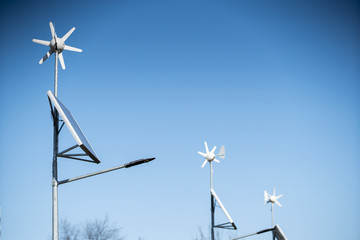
(81, 140)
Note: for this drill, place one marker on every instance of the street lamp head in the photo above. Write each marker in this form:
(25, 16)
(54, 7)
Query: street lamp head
(138, 162)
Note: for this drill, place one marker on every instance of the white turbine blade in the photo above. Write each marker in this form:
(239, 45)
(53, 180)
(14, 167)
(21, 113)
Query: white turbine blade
(61, 58)
(47, 55)
(274, 192)
(278, 203)
(266, 198)
(202, 154)
(216, 160)
(203, 165)
(72, 49)
(68, 34)
(213, 150)
(52, 29)
(206, 147)
(42, 42)
(222, 152)
(279, 196)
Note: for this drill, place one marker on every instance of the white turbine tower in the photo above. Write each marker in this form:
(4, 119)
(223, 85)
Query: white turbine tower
(210, 156)
(272, 199)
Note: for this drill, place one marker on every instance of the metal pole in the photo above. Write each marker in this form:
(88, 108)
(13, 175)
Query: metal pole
(272, 215)
(56, 73)
(212, 204)
(212, 217)
(55, 224)
(211, 178)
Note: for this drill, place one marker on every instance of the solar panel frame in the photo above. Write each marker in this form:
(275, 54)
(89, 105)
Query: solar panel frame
(223, 208)
(73, 127)
(278, 233)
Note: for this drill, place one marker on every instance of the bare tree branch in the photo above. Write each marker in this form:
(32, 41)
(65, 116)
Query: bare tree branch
(101, 230)
(93, 230)
(69, 231)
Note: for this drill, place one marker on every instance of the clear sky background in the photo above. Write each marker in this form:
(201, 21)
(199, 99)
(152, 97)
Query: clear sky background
(276, 82)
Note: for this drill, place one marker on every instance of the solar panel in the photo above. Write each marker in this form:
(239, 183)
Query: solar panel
(73, 127)
(278, 233)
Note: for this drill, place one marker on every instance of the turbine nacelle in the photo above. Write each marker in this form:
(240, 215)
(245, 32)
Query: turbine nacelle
(272, 199)
(210, 155)
(57, 45)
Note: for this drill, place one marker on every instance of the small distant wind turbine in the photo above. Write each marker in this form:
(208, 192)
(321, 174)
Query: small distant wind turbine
(210, 155)
(57, 45)
(272, 199)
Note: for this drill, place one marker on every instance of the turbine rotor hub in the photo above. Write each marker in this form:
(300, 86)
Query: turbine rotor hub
(57, 44)
(210, 156)
(60, 45)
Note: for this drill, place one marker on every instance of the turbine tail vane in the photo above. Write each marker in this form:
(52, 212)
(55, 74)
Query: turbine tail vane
(222, 152)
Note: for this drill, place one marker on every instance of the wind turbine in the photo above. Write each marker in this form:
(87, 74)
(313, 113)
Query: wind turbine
(210, 156)
(272, 199)
(57, 45)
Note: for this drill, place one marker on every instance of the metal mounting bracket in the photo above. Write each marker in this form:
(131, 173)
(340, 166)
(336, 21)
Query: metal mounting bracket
(74, 156)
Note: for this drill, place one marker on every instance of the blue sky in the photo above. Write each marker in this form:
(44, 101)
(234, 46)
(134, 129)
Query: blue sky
(278, 83)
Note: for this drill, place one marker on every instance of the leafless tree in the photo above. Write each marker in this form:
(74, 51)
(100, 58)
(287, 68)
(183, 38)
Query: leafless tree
(69, 231)
(92, 230)
(200, 235)
(101, 230)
